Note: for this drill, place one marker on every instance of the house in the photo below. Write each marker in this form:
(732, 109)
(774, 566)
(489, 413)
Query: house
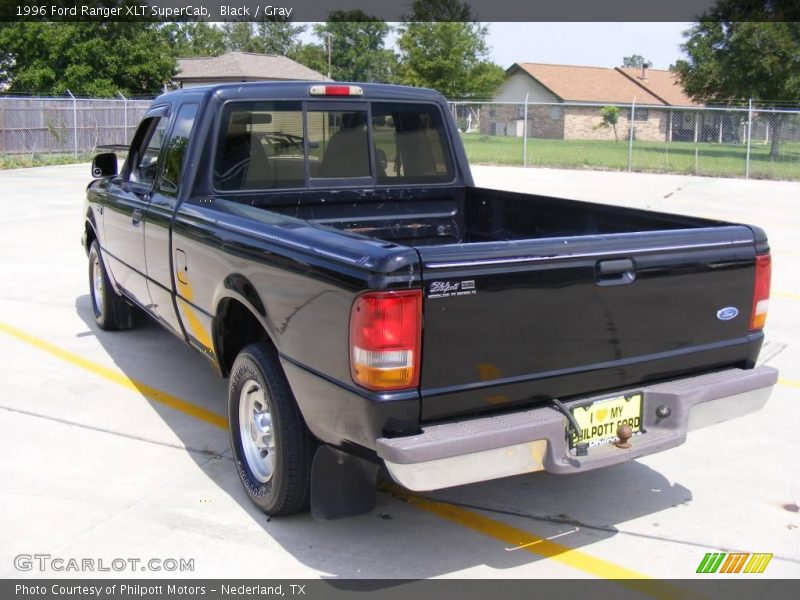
(565, 100)
(233, 67)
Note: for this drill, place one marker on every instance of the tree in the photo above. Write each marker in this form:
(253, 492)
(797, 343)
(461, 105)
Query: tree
(270, 36)
(239, 36)
(734, 53)
(451, 57)
(610, 118)
(278, 37)
(87, 58)
(311, 55)
(195, 39)
(634, 61)
(358, 51)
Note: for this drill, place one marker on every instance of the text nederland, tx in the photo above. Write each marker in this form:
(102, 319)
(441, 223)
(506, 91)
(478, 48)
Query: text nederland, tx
(172, 589)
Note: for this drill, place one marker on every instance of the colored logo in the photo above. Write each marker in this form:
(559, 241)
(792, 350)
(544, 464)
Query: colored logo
(727, 313)
(733, 562)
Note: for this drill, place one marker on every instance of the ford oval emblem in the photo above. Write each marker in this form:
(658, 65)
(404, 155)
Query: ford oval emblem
(727, 313)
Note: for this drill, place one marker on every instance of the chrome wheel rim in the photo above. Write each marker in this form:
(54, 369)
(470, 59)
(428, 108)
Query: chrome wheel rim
(97, 285)
(255, 430)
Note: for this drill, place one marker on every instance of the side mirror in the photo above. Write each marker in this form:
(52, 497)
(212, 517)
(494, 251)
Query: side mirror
(104, 165)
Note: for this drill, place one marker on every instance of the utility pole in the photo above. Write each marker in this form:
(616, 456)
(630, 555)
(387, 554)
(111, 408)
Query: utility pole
(328, 41)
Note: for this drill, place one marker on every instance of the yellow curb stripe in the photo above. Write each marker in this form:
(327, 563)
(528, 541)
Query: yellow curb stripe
(529, 542)
(156, 395)
(789, 382)
(789, 295)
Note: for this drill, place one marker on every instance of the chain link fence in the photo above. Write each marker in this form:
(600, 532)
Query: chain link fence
(753, 141)
(66, 125)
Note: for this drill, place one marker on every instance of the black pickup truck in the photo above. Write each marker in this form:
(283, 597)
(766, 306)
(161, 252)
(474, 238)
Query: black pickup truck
(325, 248)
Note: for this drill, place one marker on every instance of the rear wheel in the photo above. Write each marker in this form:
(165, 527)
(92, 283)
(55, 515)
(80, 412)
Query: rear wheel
(102, 293)
(271, 444)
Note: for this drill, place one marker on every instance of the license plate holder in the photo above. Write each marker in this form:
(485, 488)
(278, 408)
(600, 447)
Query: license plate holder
(599, 419)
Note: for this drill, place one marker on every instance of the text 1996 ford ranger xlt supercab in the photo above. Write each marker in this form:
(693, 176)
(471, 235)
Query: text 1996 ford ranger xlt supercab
(325, 248)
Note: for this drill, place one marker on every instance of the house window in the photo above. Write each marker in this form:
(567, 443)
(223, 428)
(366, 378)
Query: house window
(555, 113)
(640, 114)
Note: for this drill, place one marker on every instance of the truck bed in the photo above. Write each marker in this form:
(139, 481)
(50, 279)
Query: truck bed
(471, 215)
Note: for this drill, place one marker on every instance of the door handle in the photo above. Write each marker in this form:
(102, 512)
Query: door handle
(136, 217)
(615, 272)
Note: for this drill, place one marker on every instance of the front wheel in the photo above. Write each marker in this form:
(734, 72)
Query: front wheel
(271, 444)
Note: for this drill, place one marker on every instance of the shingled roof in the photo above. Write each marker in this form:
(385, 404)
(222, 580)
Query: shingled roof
(573, 83)
(243, 65)
(663, 84)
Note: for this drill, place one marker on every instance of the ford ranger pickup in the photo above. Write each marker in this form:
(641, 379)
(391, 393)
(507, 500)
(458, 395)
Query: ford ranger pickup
(323, 245)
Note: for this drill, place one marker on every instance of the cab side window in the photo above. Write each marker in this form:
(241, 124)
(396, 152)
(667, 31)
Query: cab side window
(175, 151)
(144, 163)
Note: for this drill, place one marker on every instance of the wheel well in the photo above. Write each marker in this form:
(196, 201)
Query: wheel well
(90, 235)
(234, 328)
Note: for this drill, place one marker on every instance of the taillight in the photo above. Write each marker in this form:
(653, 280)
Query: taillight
(385, 337)
(761, 291)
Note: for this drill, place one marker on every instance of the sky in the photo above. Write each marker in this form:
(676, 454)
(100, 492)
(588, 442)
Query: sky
(594, 44)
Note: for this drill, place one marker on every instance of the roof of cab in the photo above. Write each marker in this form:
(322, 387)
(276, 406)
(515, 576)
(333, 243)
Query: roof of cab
(299, 90)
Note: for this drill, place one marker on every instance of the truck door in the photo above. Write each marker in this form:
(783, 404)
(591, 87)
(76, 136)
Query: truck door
(157, 247)
(128, 199)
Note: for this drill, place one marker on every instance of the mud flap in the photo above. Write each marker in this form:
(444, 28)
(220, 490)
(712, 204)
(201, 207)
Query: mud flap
(124, 317)
(342, 485)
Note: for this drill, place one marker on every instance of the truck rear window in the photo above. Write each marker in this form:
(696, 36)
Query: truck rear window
(275, 145)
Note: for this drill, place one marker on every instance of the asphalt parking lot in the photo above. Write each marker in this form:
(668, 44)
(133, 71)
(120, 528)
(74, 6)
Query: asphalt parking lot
(113, 444)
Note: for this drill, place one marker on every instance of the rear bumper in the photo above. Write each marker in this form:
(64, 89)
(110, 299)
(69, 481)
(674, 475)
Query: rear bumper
(485, 448)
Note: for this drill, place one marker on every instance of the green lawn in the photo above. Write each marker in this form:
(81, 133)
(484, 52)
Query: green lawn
(720, 160)
(22, 161)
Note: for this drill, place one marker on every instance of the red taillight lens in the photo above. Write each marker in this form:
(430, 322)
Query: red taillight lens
(761, 291)
(385, 335)
(337, 90)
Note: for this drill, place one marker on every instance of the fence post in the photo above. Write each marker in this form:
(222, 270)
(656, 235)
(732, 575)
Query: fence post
(749, 131)
(525, 134)
(697, 117)
(74, 124)
(125, 117)
(669, 136)
(630, 131)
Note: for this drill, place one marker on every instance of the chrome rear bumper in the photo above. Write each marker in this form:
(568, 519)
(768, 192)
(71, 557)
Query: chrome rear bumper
(480, 449)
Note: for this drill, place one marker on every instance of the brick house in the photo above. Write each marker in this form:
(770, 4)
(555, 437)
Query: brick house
(582, 91)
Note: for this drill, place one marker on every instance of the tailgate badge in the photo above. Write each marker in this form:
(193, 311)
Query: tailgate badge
(727, 313)
(445, 289)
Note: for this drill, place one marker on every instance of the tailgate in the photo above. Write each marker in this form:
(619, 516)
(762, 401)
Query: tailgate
(511, 323)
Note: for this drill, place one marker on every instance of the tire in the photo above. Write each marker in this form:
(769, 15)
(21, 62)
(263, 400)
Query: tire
(271, 444)
(106, 303)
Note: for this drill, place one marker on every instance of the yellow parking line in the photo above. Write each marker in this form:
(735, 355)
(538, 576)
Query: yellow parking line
(156, 395)
(529, 542)
(789, 295)
(789, 382)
